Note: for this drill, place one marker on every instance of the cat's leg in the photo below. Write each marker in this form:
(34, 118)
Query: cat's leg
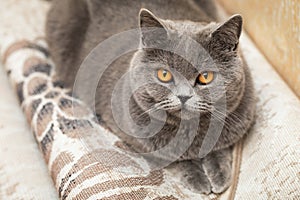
(193, 176)
(218, 169)
(66, 26)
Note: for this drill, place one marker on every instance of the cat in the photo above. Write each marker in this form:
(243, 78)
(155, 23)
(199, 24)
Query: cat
(75, 27)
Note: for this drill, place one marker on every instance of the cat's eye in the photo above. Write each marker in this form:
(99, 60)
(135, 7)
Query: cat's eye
(205, 78)
(164, 75)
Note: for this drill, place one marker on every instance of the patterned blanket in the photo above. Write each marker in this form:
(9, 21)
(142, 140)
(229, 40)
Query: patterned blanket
(86, 161)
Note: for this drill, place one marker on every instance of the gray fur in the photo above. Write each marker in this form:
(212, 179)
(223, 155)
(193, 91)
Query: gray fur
(75, 27)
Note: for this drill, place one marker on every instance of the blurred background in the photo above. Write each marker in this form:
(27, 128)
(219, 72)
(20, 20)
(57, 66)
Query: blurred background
(274, 26)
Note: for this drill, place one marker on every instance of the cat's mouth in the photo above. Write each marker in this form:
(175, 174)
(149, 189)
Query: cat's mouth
(184, 112)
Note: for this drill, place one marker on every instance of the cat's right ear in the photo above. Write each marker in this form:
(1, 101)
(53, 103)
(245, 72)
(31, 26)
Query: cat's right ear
(153, 31)
(227, 34)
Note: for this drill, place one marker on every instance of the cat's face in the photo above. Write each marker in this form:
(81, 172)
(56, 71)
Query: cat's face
(193, 82)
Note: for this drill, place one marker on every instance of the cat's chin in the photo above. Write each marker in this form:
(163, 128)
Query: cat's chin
(185, 114)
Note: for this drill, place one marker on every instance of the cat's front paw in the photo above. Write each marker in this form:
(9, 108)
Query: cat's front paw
(193, 177)
(218, 169)
(220, 181)
(197, 182)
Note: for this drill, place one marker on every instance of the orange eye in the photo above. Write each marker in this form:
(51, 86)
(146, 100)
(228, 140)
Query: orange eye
(205, 78)
(164, 75)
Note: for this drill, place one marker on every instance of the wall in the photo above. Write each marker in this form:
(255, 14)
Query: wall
(274, 25)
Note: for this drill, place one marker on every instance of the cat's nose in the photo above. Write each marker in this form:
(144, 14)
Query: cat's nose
(183, 99)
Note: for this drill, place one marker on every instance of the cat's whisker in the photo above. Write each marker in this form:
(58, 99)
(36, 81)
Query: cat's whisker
(162, 103)
(204, 105)
(200, 108)
(225, 119)
(156, 107)
(219, 117)
(229, 116)
(147, 111)
(215, 113)
(232, 117)
(170, 106)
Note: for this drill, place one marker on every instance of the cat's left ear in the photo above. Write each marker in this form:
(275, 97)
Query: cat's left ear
(153, 30)
(228, 33)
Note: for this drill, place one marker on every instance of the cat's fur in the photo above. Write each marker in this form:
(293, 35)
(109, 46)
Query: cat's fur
(75, 27)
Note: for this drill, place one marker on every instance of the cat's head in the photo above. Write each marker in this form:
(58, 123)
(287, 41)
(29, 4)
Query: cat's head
(188, 66)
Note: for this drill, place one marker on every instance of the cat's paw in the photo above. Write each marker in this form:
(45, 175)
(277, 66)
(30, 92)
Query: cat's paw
(197, 182)
(218, 169)
(193, 177)
(220, 181)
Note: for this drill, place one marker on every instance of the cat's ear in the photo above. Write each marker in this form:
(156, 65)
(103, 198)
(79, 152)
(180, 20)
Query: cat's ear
(153, 31)
(228, 33)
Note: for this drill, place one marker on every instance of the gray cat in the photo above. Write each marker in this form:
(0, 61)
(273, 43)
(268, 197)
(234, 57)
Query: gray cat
(183, 89)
